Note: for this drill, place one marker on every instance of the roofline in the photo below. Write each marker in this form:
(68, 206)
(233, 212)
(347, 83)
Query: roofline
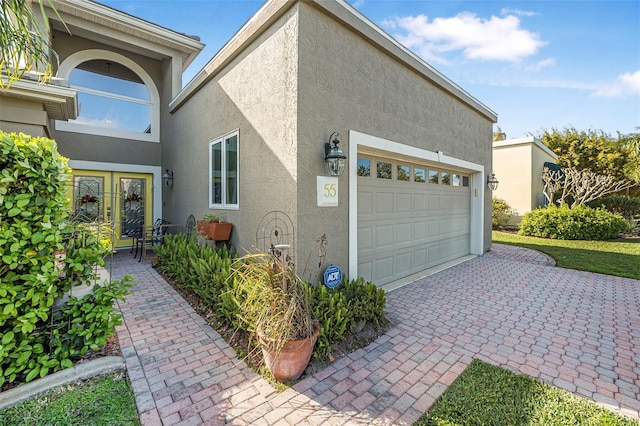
(268, 13)
(48, 94)
(136, 26)
(348, 15)
(524, 141)
(384, 41)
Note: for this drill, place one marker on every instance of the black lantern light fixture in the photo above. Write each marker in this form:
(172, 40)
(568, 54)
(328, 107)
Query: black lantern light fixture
(334, 158)
(167, 177)
(492, 181)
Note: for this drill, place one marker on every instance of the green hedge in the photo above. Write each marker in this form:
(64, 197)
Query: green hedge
(577, 223)
(33, 224)
(205, 270)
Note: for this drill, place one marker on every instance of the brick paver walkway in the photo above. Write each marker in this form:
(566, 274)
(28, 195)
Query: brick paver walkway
(578, 331)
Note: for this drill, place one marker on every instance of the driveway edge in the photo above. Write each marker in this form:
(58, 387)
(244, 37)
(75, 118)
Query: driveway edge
(84, 371)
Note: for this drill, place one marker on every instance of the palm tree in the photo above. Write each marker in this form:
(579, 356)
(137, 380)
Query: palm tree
(24, 40)
(499, 135)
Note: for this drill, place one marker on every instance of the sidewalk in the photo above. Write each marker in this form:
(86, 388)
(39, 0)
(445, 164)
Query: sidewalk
(576, 330)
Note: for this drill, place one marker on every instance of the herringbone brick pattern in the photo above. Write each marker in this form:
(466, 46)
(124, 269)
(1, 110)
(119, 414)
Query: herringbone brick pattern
(578, 331)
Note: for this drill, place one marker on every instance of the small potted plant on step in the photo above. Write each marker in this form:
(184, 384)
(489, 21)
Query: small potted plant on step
(214, 227)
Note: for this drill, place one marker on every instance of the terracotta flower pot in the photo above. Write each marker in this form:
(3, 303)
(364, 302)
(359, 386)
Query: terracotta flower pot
(216, 231)
(293, 358)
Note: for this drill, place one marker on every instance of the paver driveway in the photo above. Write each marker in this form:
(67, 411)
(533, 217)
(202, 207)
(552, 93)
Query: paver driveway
(576, 330)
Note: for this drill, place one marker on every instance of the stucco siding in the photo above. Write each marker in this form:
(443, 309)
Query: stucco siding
(512, 165)
(347, 83)
(256, 94)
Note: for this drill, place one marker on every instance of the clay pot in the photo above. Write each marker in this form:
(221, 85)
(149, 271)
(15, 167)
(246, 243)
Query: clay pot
(293, 357)
(216, 231)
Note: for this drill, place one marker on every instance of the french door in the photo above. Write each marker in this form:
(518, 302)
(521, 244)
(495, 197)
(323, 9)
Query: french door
(122, 199)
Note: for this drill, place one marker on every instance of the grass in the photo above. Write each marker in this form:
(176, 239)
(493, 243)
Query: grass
(106, 400)
(619, 257)
(488, 395)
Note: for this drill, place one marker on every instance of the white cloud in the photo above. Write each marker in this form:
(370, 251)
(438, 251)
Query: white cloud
(626, 84)
(541, 64)
(494, 39)
(357, 3)
(517, 12)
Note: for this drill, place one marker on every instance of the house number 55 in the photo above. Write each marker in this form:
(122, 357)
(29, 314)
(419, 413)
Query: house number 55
(330, 190)
(327, 190)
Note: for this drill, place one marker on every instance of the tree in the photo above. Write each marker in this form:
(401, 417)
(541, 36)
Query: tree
(631, 144)
(25, 41)
(592, 150)
(499, 135)
(580, 186)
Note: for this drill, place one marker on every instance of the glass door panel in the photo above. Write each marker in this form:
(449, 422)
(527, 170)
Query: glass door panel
(132, 206)
(122, 199)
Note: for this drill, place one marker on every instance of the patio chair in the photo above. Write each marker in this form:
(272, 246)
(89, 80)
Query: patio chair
(151, 237)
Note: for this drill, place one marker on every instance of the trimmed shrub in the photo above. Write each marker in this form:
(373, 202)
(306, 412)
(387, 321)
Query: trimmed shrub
(33, 227)
(500, 213)
(577, 223)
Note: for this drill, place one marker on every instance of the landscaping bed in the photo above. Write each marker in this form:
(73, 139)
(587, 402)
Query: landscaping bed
(241, 340)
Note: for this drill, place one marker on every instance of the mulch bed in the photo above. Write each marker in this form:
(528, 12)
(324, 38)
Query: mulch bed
(241, 341)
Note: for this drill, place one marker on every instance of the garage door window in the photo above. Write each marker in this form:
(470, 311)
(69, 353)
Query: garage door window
(445, 178)
(383, 170)
(364, 167)
(455, 180)
(403, 173)
(418, 175)
(433, 176)
(465, 180)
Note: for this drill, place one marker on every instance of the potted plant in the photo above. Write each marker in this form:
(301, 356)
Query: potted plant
(133, 199)
(274, 305)
(214, 227)
(88, 201)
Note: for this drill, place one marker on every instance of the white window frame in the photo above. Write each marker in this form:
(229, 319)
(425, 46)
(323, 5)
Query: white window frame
(78, 58)
(223, 173)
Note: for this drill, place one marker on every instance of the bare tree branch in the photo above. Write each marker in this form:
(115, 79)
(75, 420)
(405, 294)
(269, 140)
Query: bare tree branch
(582, 185)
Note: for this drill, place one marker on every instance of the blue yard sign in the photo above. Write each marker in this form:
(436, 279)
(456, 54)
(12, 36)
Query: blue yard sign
(332, 276)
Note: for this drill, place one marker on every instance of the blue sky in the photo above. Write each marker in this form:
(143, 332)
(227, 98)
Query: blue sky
(538, 64)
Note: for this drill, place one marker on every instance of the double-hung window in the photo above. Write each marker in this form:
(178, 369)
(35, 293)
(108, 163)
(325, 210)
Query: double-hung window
(223, 171)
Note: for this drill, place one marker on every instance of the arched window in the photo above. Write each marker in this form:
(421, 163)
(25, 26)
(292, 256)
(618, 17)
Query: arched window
(116, 96)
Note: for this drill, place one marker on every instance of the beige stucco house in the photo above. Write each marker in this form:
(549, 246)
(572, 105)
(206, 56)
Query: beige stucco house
(246, 136)
(519, 163)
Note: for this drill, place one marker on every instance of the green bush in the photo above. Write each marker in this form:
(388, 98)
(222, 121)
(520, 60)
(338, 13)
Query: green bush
(205, 271)
(33, 224)
(577, 223)
(627, 207)
(201, 269)
(341, 309)
(500, 213)
(332, 312)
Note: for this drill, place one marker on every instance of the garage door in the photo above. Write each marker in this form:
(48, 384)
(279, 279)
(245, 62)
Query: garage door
(411, 217)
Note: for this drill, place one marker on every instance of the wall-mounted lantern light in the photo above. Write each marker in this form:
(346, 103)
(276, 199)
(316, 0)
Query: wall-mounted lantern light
(167, 177)
(334, 158)
(492, 181)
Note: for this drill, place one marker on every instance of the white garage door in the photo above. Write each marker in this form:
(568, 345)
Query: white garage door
(410, 217)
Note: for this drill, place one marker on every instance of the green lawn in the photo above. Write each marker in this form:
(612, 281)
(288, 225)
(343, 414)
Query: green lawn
(614, 257)
(101, 401)
(488, 395)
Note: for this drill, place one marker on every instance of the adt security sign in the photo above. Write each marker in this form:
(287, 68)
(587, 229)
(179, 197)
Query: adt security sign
(332, 276)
